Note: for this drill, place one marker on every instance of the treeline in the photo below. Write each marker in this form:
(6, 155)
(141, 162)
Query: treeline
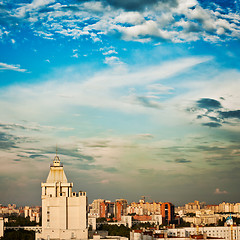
(10, 234)
(16, 221)
(114, 230)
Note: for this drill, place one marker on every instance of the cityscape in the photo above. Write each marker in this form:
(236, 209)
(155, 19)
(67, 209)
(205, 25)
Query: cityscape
(119, 119)
(65, 214)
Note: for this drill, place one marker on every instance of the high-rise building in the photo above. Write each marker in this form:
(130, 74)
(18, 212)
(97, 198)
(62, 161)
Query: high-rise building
(95, 207)
(107, 209)
(120, 208)
(167, 212)
(64, 213)
(103, 209)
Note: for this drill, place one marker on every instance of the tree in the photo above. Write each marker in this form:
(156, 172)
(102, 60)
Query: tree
(18, 235)
(114, 230)
(15, 221)
(101, 219)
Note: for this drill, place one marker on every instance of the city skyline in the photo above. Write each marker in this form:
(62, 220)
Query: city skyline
(141, 98)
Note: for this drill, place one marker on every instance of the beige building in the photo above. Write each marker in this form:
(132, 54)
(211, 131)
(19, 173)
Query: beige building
(214, 232)
(64, 213)
(33, 213)
(188, 233)
(144, 208)
(95, 208)
(203, 219)
(1, 227)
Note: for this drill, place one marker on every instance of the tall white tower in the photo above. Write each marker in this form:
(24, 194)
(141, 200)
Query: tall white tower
(64, 213)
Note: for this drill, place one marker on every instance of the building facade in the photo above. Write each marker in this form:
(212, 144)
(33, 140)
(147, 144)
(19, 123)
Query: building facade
(64, 213)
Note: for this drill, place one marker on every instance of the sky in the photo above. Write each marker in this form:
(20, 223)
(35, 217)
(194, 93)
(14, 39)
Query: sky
(141, 97)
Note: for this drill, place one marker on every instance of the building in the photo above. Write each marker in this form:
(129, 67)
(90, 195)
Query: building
(164, 235)
(144, 208)
(95, 208)
(1, 227)
(120, 208)
(98, 237)
(203, 219)
(64, 213)
(224, 232)
(167, 212)
(193, 206)
(33, 213)
(107, 209)
(92, 222)
(9, 210)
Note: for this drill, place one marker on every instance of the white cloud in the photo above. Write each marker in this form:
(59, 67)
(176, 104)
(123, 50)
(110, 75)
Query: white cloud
(45, 35)
(35, 5)
(113, 60)
(162, 22)
(218, 191)
(147, 29)
(134, 18)
(75, 55)
(158, 89)
(109, 52)
(94, 6)
(17, 68)
(106, 90)
(145, 136)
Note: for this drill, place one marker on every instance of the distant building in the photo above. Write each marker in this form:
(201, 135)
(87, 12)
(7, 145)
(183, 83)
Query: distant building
(64, 213)
(211, 232)
(1, 227)
(9, 210)
(33, 213)
(144, 208)
(120, 208)
(92, 221)
(107, 209)
(193, 206)
(203, 219)
(95, 208)
(188, 233)
(167, 212)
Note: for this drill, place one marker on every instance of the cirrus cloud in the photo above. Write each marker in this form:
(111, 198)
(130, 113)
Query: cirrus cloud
(11, 67)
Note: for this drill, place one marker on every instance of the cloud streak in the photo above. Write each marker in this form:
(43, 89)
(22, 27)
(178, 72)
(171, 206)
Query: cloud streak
(107, 89)
(16, 68)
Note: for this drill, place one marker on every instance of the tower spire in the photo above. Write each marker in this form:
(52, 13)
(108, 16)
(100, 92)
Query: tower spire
(56, 161)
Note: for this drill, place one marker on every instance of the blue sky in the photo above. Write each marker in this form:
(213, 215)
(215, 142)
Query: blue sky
(141, 97)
